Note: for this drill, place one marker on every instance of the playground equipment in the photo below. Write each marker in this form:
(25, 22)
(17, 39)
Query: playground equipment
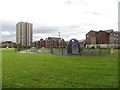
(70, 45)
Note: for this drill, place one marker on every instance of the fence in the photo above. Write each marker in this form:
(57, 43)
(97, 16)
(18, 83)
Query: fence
(63, 51)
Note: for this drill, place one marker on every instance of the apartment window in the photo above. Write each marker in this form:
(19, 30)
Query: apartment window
(20, 32)
(87, 36)
(20, 26)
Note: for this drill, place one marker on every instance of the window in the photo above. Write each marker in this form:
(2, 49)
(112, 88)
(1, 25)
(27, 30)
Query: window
(87, 36)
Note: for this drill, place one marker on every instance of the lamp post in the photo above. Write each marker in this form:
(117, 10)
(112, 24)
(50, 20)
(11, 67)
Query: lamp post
(62, 45)
(59, 40)
(51, 46)
(26, 47)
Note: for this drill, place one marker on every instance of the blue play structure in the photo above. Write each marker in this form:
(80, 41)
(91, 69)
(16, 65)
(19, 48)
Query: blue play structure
(70, 45)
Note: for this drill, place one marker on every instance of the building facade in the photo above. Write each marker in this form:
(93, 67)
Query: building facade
(50, 42)
(8, 44)
(39, 44)
(115, 37)
(91, 37)
(104, 38)
(24, 33)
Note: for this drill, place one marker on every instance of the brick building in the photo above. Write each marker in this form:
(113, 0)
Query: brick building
(39, 44)
(91, 37)
(49, 42)
(104, 38)
(8, 44)
(52, 42)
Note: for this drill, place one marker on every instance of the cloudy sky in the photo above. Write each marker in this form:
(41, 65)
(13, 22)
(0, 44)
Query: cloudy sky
(72, 18)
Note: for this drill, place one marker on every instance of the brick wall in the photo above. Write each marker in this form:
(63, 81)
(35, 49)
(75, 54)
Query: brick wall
(89, 36)
(102, 37)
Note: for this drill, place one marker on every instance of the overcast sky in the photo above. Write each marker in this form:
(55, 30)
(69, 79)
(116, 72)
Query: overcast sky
(72, 18)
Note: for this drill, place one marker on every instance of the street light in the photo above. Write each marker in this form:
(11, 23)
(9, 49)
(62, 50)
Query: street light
(62, 45)
(51, 45)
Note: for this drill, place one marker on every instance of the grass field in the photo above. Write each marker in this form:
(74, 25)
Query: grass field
(51, 71)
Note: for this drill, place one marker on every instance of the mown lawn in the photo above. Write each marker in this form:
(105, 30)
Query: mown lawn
(52, 71)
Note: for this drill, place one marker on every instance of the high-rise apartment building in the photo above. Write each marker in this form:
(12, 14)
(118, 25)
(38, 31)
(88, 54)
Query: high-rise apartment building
(24, 33)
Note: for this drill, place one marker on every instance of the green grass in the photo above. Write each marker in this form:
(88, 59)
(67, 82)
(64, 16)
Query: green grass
(52, 71)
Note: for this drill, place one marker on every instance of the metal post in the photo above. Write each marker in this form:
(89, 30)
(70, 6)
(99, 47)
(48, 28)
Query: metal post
(62, 45)
(51, 46)
(99, 50)
(59, 40)
(26, 48)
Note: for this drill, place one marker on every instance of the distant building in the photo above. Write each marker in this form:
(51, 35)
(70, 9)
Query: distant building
(50, 42)
(24, 33)
(54, 42)
(105, 38)
(115, 37)
(91, 37)
(82, 42)
(8, 44)
(36, 44)
(39, 44)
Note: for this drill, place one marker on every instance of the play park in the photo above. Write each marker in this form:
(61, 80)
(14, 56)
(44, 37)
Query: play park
(60, 68)
(73, 48)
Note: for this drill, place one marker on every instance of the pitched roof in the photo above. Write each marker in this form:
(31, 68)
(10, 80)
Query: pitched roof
(109, 31)
(91, 31)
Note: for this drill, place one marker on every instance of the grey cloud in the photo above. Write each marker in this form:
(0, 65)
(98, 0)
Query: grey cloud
(83, 2)
(68, 2)
(94, 13)
(10, 37)
(45, 30)
(6, 26)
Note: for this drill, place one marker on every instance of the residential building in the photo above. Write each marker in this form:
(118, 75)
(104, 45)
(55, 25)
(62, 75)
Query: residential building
(91, 37)
(50, 42)
(104, 38)
(82, 42)
(8, 44)
(24, 33)
(115, 37)
(39, 44)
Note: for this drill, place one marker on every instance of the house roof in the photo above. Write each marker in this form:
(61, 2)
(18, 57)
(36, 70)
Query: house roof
(91, 31)
(82, 40)
(109, 31)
